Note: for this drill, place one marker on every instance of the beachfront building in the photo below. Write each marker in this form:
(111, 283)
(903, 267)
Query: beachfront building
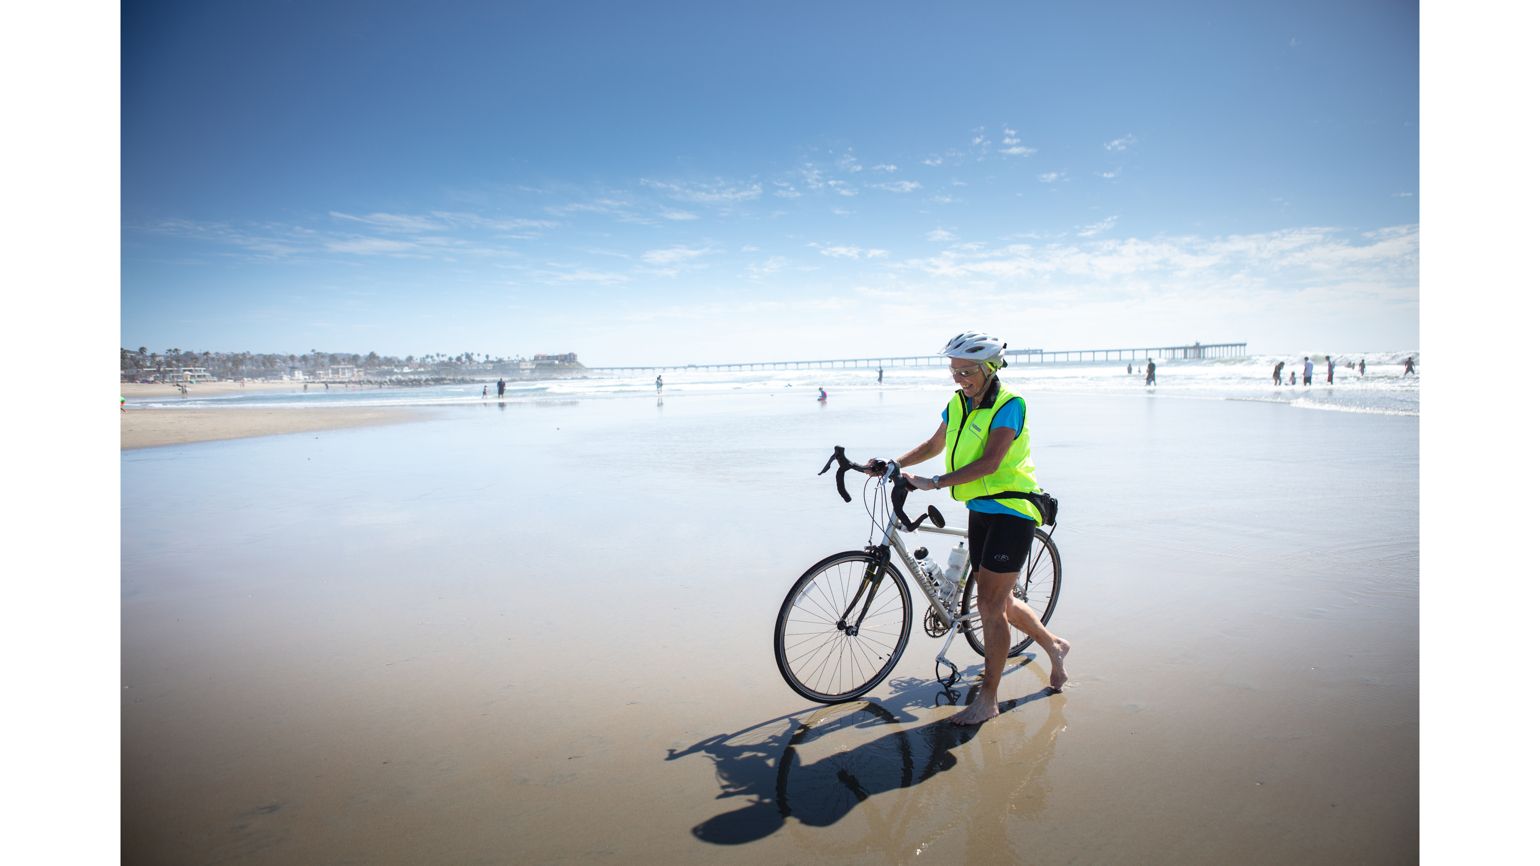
(343, 372)
(187, 375)
(565, 360)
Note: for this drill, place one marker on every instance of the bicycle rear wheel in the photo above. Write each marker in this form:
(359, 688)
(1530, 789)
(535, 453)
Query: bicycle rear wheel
(825, 661)
(1037, 586)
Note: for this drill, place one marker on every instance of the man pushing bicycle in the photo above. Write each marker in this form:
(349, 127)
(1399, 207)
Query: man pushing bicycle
(983, 434)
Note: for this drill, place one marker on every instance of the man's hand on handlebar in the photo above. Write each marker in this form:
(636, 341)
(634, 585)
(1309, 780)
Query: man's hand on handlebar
(873, 467)
(920, 482)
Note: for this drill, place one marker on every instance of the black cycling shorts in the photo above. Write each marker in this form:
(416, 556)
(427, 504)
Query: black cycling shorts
(999, 542)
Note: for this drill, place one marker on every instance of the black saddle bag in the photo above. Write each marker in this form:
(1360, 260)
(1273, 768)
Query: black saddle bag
(1046, 505)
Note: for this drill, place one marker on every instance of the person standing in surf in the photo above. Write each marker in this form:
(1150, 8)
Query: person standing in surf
(989, 466)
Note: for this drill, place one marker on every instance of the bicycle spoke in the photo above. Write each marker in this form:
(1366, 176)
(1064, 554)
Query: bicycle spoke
(825, 662)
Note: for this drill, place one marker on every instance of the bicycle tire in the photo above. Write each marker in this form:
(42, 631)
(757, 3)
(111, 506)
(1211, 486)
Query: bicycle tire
(818, 659)
(1040, 572)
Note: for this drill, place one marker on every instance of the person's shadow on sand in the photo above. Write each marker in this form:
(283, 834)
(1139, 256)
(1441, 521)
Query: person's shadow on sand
(825, 764)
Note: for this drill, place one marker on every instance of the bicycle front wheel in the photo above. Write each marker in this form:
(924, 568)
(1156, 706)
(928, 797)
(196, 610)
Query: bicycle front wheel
(842, 627)
(1037, 586)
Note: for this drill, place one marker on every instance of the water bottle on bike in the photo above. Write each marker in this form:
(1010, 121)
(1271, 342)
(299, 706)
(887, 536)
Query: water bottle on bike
(956, 564)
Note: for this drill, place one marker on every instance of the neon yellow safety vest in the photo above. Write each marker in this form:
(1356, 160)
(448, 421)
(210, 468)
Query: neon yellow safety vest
(966, 434)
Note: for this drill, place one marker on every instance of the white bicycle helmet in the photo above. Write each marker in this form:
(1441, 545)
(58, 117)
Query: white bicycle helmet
(974, 346)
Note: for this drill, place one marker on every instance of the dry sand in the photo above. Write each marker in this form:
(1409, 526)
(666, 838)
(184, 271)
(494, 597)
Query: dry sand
(541, 633)
(148, 428)
(209, 389)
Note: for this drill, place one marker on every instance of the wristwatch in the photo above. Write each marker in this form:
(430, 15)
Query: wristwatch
(936, 480)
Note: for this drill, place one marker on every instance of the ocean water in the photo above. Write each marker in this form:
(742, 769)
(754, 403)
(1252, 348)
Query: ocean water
(1381, 390)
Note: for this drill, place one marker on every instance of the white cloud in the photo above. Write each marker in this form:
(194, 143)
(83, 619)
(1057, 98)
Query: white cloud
(1013, 145)
(1052, 177)
(369, 246)
(848, 163)
(932, 161)
(940, 235)
(393, 222)
(842, 188)
(849, 252)
(604, 206)
(1285, 260)
(673, 255)
(897, 186)
(767, 267)
(268, 242)
(1121, 143)
(678, 215)
(1096, 228)
(889, 168)
(718, 192)
(1110, 175)
(584, 275)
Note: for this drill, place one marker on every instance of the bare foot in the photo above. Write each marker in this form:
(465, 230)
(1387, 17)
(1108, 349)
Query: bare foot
(977, 712)
(1057, 678)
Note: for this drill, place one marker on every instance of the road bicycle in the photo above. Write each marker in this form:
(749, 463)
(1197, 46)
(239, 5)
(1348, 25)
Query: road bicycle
(846, 620)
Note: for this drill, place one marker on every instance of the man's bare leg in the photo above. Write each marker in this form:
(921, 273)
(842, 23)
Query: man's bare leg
(1025, 618)
(993, 588)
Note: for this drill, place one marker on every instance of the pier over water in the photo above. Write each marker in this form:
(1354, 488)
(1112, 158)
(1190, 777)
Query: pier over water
(1192, 351)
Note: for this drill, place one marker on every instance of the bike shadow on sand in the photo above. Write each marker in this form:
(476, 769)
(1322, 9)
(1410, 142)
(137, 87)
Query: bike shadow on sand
(816, 766)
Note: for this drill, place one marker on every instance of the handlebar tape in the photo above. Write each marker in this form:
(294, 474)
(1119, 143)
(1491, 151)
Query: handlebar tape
(839, 477)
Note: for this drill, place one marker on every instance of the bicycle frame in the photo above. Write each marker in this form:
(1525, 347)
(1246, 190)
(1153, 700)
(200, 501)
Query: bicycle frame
(944, 608)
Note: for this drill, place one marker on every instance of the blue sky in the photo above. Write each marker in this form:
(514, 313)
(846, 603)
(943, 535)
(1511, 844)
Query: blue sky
(694, 182)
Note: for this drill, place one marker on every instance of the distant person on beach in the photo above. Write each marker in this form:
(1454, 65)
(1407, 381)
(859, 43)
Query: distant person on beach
(1360, 366)
(1330, 369)
(1309, 369)
(122, 403)
(1278, 374)
(483, 392)
(659, 383)
(1291, 377)
(1149, 372)
(501, 386)
(879, 375)
(1410, 370)
(983, 435)
(822, 394)
(1130, 368)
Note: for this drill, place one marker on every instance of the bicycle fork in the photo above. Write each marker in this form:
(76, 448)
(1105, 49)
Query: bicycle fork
(869, 593)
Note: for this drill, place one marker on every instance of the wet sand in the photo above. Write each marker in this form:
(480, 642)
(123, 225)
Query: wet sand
(541, 633)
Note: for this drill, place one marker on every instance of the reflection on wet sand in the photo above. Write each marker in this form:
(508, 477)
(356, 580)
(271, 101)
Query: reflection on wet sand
(822, 767)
